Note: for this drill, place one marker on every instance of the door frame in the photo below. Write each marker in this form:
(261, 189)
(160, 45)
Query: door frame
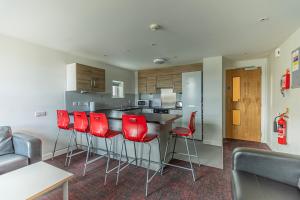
(264, 97)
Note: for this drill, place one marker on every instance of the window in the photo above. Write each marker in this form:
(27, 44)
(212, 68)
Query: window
(236, 89)
(117, 89)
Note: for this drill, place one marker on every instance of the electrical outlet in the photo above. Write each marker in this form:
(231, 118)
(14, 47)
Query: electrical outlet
(40, 113)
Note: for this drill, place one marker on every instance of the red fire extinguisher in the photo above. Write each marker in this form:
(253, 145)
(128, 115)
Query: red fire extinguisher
(280, 126)
(285, 82)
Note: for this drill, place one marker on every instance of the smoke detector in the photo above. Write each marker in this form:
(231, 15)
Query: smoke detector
(159, 61)
(155, 27)
(277, 52)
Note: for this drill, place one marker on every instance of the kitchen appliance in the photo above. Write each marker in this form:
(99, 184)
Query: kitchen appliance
(92, 106)
(168, 98)
(161, 110)
(192, 100)
(143, 103)
(178, 104)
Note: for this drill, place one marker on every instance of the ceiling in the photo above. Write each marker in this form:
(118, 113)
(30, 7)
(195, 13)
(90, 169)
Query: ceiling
(117, 31)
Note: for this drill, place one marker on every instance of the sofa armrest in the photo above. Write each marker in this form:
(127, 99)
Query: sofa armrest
(28, 146)
(280, 167)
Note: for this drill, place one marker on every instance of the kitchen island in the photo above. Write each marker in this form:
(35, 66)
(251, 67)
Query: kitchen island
(157, 123)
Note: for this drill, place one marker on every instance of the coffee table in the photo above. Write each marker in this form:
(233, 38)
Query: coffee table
(33, 181)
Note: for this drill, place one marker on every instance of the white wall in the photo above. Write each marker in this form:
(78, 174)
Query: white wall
(213, 100)
(278, 103)
(33, 79)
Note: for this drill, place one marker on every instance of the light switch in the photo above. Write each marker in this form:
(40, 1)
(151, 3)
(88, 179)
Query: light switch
(40, 113)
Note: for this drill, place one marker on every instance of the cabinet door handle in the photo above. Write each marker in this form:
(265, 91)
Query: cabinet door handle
(91, 83)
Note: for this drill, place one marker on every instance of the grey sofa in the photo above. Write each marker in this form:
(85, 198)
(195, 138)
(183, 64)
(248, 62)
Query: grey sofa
(17, 150)
(260, 174)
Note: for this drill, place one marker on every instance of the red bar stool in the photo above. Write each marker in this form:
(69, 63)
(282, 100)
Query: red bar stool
(183, 133)
(81, 125)
(99, 127)
(135, 129)
(63, 123)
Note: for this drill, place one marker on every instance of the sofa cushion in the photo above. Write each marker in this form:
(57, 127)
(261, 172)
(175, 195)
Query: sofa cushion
(10, 162)
(248, 186)
(6, 145)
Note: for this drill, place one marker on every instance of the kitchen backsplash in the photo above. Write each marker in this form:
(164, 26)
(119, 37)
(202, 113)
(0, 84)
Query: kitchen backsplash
(157, 96)
(77, 101)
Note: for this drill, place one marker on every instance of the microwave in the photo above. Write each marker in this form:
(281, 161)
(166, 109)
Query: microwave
(145, 103)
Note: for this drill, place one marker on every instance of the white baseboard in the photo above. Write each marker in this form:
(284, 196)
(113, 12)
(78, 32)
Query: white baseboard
(47, 156)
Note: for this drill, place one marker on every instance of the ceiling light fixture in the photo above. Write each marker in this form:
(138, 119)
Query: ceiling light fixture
(264, 19)
(159, 61)
(155, 27)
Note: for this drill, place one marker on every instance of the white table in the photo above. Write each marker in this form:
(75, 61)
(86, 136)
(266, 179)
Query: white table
(33, 181)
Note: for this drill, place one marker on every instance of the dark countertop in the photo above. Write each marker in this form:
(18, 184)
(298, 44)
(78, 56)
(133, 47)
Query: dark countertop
(150, 117)
(147, 107)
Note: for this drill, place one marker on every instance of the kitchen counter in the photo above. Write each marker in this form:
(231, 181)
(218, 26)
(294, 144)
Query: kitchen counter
(160, 124)
(150, 117)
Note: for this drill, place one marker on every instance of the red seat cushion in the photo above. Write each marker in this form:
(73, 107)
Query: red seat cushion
(83, 131)
(112, 133)
(181, 131)
(109, 134)
(149, 137)
(70, 127)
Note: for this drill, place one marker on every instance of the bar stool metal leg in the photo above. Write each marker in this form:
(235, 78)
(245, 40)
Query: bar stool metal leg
(126, 151)
(70, 154)
(159, 154)
(118, 172)
(142, 154)
(174, 147)
(135, 154)
(108, 159)
(196, 150)
(165, 156)
(68, 149)
(55, 143)
(188, 152)
(87, 155)
(147, 180)
(76, 140)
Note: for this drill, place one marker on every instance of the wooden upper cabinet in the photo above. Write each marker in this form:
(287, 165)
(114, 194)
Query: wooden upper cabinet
(170, 77)
(142, 85)
(177, 82)
(85, 78)
(151, 84)
(98, 78)
(164, 81)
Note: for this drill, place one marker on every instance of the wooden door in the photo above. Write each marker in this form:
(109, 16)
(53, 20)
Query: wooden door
(98, 78)
(243, 104)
